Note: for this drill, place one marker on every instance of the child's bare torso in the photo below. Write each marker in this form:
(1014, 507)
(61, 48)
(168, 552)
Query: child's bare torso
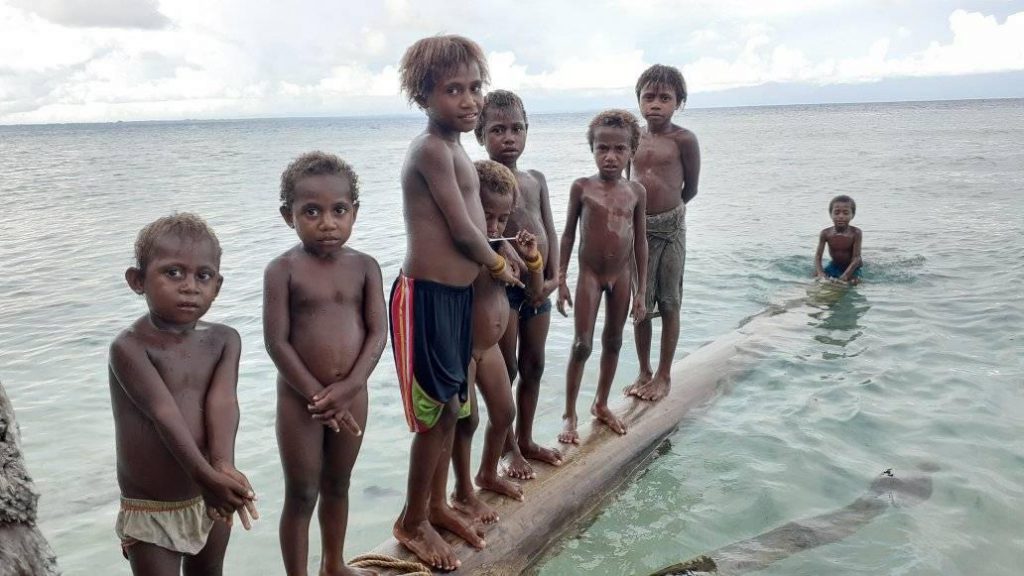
(431, 253)
(606, 226)
(186, 363)
(840, 244)
(527, 215)
(490, 312)
(658, 165)
(325, 308)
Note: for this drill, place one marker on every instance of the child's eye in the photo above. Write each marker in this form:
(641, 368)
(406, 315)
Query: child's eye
(312, 211)
(173, 273)
(341, 210)
(204, 276)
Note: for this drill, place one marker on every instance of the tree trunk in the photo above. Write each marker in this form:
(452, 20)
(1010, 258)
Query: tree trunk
(23, 550)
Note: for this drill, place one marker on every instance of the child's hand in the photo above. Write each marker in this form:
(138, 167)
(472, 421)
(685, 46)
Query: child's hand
(563, 298)
(639, 308)
(222, 492)
(508, 276)
(247, 512)
(526, 245)
(330, 406)
(512, 259)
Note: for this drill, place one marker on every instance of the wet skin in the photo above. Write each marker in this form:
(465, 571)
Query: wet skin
(325, 324)
(446, 243)
(667, 163)
(172, 386)
(610, 211)
(522, 345)
(843, 241)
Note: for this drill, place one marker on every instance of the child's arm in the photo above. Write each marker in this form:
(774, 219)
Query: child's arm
(141, 382)
(276, 329)
(640, 251)
(572, 216)
(221, 420)
(526, 245)
(436, 164)
(689, 155)
(332, 402)
(551, 265)
(855, 259)
(819, 272)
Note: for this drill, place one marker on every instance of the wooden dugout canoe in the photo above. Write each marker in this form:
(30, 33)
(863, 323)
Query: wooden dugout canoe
(562, 499)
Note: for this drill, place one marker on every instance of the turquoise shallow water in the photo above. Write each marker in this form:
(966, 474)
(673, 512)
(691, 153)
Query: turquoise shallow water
(920, 364)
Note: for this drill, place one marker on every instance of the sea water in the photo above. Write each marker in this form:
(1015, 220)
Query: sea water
(921, 365)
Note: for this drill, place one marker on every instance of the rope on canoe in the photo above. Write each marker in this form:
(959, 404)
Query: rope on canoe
(390, 563)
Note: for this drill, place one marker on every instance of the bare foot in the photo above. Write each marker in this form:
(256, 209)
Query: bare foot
(517, 467)
(654, 390)
(641, 379)
(569, 435)
(423, 541)
(475, 508)
(501, 486)
(535, 451)
(605, 415)
(347, 571)
(445, 517)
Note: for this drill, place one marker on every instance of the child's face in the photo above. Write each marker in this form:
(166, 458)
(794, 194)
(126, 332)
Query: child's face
(657, 103)
(611, 150)
(504, 134)
(497, 210)
(456, 100)
(322, 213)
(181, 279)
(842, 213)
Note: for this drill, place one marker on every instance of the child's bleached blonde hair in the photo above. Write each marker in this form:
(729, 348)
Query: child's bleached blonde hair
(661, 75)
(183, 225)
(496, 178)
(430, 60)
(498, 100)
(316, 163)
(616, 119)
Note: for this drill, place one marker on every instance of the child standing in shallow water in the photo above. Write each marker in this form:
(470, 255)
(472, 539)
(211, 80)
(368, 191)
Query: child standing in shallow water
(502, 129)
(843, 242)
(432, 299)
(325, 326)
(172, 389)
(611, 210)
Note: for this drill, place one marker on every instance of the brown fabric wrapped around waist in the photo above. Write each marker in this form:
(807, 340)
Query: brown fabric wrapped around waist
(668, 225)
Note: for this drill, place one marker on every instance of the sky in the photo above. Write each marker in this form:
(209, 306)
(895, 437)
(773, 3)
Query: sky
(111, 60)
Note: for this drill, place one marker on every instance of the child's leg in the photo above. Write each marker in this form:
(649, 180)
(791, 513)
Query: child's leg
(532, 339)
(515, 465)
(429, 449)
(464, 499)
(642, 334)
(210, 560)
(492, 379)
(149, 559)
(340, 452)
(588, 298)
(616, 311)
(661, 383)
(300, 441)
(439, 513)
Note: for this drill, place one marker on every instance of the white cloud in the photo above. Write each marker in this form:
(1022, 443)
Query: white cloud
(236, 58)
(97, 13)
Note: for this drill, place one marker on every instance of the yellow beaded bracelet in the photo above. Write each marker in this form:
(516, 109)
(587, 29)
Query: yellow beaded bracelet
(498, 266)
(535, 264)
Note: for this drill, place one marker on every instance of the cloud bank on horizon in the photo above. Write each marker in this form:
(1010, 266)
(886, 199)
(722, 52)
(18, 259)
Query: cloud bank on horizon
(106, 60)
